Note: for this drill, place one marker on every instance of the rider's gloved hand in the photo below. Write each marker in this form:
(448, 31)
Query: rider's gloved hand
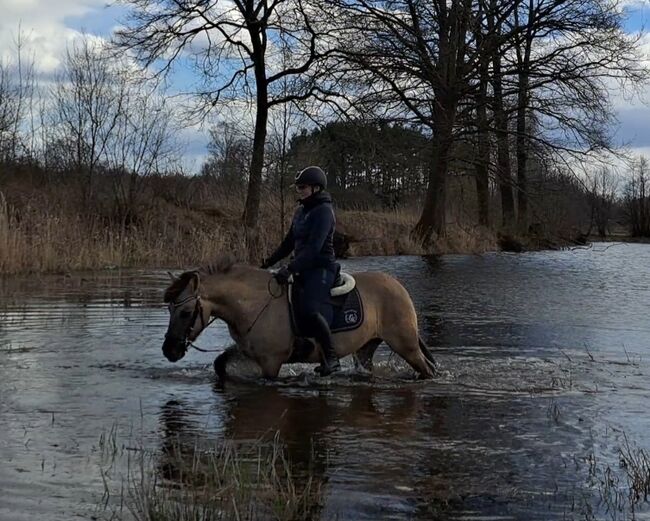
(282, 275)
(266, 264)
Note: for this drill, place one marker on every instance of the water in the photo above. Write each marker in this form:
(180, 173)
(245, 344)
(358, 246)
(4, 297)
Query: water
(545, 371)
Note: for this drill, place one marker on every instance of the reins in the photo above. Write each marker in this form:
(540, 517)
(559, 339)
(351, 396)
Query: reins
(199, 309)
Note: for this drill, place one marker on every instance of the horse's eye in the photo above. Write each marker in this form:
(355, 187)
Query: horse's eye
(186, 314)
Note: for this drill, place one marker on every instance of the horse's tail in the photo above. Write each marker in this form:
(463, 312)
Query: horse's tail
(427, 355)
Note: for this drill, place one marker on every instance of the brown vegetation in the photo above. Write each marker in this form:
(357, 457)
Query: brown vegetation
(189, 480)
(177, 222)
(47, 224)
(50, 237)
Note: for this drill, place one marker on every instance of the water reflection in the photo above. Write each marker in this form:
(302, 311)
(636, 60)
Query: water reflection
(399, 453)
(545, 370)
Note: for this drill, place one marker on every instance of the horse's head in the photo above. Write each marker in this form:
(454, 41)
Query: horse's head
(187, 315)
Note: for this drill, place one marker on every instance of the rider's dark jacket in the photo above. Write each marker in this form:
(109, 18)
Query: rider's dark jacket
(311, 236)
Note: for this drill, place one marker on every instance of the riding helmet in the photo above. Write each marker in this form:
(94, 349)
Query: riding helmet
(312, 175)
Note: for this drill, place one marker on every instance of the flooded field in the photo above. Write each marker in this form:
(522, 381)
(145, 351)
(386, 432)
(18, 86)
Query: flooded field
(539, 411)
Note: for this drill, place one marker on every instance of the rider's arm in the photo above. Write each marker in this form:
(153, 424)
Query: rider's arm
(285, 248)
(322, 222)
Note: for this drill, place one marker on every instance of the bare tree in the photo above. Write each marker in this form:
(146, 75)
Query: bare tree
(236, 48)
(569, 57)
(17, 89)
(229, 153)
(601, 191)
(637, 199)
(504, 176)
(142, 142)
(89, 98)
(482, 163)
(415, 57)
(523, 47)
(284, 123)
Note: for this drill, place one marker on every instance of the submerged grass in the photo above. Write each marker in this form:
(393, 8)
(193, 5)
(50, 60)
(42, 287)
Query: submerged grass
(621, 492)
(187, 482)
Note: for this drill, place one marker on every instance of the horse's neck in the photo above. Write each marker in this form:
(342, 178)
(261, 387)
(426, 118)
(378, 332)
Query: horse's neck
(236, 297)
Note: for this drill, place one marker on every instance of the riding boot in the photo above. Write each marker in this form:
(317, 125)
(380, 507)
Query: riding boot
(323, 336)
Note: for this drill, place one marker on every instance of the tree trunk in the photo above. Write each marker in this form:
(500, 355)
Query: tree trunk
(504, 175)
(522, 153)
(523, 96)
(447, 87)
(482, 166)
(432, 220)
(253, 195)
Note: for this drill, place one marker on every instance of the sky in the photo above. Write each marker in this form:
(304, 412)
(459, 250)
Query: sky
(50, 25)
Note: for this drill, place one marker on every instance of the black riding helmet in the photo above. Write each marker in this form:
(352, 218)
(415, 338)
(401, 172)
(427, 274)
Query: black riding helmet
(312, 175)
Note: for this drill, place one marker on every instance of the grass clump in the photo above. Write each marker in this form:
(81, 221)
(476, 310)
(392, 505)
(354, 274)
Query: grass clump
(227, 481)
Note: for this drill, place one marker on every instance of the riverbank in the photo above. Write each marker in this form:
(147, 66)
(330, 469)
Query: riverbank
(50, 224)
(48, 236)
(54, 239)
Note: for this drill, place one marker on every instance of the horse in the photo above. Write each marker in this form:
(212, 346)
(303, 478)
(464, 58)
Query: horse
(255, 309)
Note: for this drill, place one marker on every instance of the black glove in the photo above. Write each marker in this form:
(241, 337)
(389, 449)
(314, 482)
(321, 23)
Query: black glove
(282, 276)
(266, 264)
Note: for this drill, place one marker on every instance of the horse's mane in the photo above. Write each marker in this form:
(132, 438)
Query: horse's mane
(221, 264)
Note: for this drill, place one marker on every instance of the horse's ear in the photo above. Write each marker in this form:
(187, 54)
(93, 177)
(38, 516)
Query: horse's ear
(195, 280)
(172, 277)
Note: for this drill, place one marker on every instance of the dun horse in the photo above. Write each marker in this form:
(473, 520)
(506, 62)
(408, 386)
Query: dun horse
(255, 309)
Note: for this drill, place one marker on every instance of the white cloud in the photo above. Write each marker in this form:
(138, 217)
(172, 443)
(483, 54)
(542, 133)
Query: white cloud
(41, 24)
(640, 151)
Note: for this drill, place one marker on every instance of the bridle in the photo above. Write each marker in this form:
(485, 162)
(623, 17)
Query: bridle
(198, 312)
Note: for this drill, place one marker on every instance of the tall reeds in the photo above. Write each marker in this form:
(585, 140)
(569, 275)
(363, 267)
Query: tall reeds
(46, 226)
(51, 239)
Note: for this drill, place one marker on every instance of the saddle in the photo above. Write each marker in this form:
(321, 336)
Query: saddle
(345, 299)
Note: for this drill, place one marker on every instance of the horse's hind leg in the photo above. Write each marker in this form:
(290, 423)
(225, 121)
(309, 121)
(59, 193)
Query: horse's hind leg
(363, 357)
(407, 346)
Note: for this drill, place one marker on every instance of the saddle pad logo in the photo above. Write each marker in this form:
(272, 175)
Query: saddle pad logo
(351, 316)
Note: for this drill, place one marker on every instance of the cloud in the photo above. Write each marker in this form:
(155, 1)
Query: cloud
(640, 151)
(49, 26)
(45, 28)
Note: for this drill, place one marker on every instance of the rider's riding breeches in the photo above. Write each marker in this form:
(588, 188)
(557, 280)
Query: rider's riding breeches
(315, 288)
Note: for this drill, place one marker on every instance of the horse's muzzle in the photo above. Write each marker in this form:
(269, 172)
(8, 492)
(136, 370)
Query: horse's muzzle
(174, 348)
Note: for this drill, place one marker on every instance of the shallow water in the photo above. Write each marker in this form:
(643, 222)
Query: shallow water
(545, 362)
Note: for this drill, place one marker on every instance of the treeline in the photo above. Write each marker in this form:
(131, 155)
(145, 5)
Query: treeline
(382, 166)
(472, 113)
(98, 116)
(504, 86)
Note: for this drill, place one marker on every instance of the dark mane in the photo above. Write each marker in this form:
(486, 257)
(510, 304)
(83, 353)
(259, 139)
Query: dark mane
(221, 264)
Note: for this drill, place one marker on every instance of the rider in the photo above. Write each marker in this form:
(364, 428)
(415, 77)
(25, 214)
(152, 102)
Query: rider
(313, 266)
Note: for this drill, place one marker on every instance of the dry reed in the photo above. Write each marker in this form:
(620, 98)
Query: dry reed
(48, 229)
(239, 481)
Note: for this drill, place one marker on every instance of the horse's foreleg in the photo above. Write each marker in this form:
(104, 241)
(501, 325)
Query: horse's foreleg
(221, 363)
(270, 366)
(363, 357)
